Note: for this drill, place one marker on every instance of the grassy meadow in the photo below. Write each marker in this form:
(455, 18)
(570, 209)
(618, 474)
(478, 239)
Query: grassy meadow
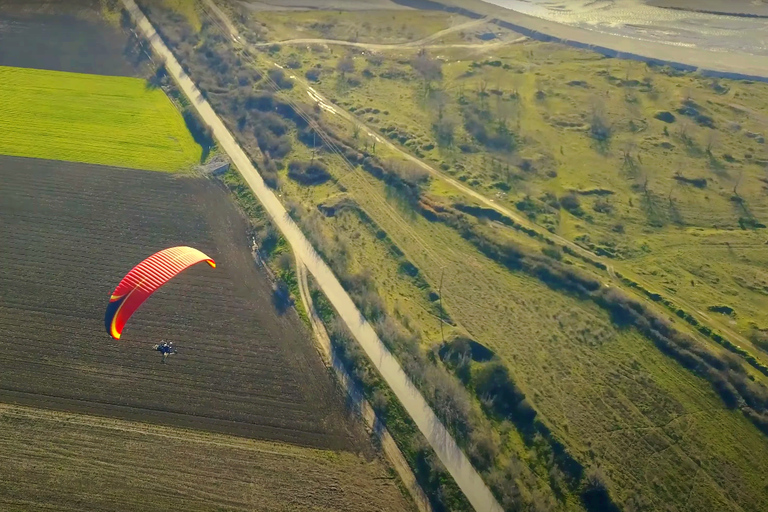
(641, 417)
(92, 119)
(679, 204)
(545, 130)
(379, 27)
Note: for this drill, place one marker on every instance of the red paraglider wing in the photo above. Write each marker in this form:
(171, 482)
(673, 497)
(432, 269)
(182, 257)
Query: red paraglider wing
(144, 279)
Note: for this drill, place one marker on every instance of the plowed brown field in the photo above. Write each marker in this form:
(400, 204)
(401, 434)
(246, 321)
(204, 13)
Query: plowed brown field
(66, 35)
(69, 232)
(78, 463)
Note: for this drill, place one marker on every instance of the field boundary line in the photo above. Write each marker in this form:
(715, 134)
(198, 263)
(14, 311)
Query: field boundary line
(442, 442)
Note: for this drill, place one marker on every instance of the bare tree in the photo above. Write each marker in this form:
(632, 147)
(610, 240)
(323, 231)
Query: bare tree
(765, 168)
(684, 131)
(628, 149)
(738, 183)
(711, 141)
(599, 127)
(688, 94)
(444, 129)
(516, 82)
(437, 103)
(482, 93)
(344, 66)
(430, 70)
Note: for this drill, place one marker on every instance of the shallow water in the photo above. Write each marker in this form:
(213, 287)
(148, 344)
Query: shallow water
(633, 19)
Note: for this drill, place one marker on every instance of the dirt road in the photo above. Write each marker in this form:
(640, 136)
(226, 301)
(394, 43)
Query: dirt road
(451, 455)
(400, 46)
(388, 445)
(426, 43)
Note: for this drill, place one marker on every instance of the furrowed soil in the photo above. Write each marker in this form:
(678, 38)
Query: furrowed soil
(63, 461)
(71, 231)
(70, 35)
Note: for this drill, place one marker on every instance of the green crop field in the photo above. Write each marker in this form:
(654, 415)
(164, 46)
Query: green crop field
(92, 119)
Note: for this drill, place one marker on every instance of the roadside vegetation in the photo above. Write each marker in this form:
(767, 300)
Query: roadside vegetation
(566, 395)
(94, 119)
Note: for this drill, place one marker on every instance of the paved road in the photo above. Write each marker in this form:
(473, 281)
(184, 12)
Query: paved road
(455, 461)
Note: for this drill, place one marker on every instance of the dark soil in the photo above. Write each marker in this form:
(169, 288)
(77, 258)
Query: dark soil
(65, 35)
(69, 233)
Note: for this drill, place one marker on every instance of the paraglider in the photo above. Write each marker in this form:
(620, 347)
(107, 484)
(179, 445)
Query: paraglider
(144, 279)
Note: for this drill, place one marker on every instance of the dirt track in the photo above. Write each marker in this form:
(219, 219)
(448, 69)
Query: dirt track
(426, 43)
(402, 46)
(71, 231)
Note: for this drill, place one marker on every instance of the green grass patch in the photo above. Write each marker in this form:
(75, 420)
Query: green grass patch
(386, 26)
(189, 9)
(92, 119)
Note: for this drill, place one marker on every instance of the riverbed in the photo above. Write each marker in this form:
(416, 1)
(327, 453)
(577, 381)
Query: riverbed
(655, 21)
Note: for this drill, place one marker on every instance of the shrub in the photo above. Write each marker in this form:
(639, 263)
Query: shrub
(409, 172)
(345, 65)
(603, 206)
(571, 203)
(279, 78)
(663, 115)
(308, 173)
(494, 384)
(375, 59)
(313, 75)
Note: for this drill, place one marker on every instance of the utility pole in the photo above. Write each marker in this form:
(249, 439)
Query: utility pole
(440, 294)
(314, 146)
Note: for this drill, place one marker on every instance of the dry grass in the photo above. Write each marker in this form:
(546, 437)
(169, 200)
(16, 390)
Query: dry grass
(61, 461)
(384, 27)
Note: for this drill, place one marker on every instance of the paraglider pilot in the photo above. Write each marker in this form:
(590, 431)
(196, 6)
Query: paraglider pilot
(165, 349)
